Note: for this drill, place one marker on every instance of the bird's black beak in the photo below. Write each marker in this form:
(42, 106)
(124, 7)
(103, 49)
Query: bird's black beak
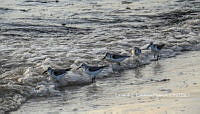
(78, 67)
(148, 46)
(44, 72)
(104, 57)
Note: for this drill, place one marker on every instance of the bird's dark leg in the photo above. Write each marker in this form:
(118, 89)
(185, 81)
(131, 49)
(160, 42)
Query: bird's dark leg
(158, 55)
(154, 55)
(157, 58)
(94, 78)
(119, 63)
(137, 62)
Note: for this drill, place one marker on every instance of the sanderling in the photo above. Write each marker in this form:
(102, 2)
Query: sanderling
(136, 51)
(115, 57)
(92, 70)
(155, 48)
(57, 74)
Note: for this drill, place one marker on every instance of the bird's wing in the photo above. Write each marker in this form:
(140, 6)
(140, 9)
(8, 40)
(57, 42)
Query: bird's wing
(119, 56)
(96, 68)
(160, 46)
(138, 50)
(59, 71)
(68, 69)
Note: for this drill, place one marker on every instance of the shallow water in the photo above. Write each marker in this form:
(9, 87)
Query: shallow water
(35, 34)
(81, 30)
(122, 90)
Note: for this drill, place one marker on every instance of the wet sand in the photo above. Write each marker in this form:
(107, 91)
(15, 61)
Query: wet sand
(141, 93)
(179, 96)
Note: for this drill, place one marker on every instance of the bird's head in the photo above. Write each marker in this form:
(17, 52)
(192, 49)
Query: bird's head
(49, 69)
(135, 50)
(106, 55)
(83, 65)
(132, 51)
(150, 44)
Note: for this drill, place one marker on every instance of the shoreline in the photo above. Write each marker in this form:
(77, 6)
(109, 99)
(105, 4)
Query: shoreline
(49, 89)
(180, 94)
(24, 79)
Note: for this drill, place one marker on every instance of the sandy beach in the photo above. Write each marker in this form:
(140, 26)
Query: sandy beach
(179, 96)
(186, 101)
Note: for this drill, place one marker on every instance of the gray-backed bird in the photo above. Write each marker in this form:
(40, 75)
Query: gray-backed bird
(92, 71)
(57, 74)
(115, 57)
(155, 48)
(136, 51)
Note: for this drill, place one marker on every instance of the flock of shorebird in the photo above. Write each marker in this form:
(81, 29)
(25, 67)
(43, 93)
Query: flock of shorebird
(92, 71)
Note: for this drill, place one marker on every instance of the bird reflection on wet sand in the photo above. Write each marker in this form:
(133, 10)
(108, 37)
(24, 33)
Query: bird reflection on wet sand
(138, 73)
(93, 91)
(157, 68)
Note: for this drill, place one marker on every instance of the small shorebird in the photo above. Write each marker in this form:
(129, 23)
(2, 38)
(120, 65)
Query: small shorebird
(92, 70)
(155, 48)
(136, 51)
(56, 74)
(115, 57)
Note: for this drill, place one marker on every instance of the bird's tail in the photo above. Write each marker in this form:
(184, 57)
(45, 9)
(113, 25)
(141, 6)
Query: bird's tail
(126, 56)
(104, 66)
(161, 46)
(68, 69)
